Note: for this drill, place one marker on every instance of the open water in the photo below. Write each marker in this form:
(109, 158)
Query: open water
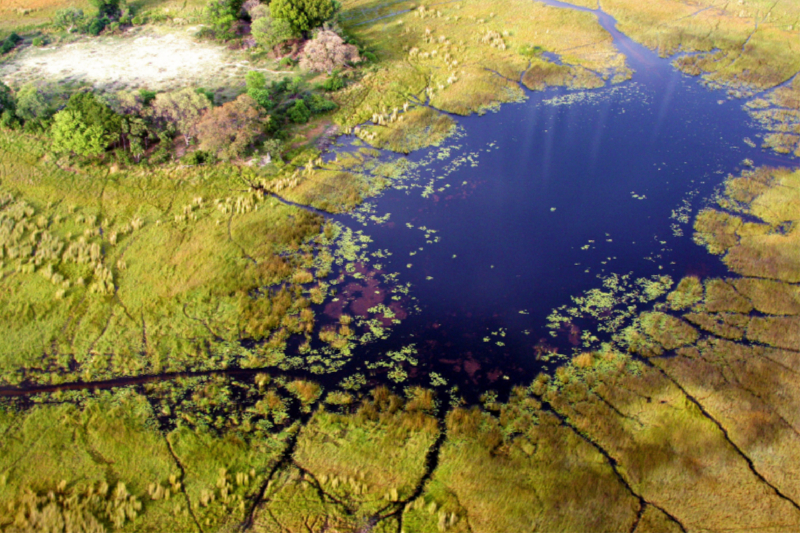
(568, 187)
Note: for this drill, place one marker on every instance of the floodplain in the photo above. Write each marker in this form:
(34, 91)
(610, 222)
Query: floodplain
(338, 342)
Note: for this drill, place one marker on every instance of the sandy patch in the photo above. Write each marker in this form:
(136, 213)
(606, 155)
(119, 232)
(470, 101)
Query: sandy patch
(146, 59)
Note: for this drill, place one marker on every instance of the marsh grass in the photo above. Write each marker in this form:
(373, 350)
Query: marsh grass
(465, 57)
(100, 268)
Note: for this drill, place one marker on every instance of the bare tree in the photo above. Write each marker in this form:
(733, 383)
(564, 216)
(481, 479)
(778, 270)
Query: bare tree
(326, 51)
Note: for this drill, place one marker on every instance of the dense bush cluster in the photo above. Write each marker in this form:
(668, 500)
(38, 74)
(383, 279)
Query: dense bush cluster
(146, 124)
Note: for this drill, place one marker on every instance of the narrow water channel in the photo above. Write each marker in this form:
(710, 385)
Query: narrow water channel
(570, 186)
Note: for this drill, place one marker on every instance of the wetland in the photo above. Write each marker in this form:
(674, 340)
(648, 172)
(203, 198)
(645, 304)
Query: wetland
(522, 276)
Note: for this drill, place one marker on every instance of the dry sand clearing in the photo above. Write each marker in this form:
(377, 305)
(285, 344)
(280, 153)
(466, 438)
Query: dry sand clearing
(146, 59)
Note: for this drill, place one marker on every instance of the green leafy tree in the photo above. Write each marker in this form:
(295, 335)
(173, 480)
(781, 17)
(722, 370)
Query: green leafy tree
(7, 102)
(230, 129)
(180, 110)
(299, 112)
(31, 103)
(108, 8)
(258, 91)
(269, 32)
(303, 15)
(71, 133)
(95, 112)
(8, 106)
(221, 15)
(68, 19)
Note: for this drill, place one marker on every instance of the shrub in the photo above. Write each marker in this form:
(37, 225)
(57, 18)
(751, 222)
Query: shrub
(319, 104)
(146, 96)
(332, 84)
(299, 113)
(198, 157)
(96, 26)
(39, 41)
(207, 93)
(68, 19)
(287, 62)
(10, 42)
(529, 51)
(7, 102)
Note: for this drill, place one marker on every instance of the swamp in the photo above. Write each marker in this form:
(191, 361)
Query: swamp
(399, 266)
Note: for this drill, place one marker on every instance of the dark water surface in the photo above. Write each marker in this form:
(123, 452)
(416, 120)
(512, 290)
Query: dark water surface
(550, 179)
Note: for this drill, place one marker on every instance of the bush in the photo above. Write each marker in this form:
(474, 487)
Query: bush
(207, 93)
(319, 104)
(68, 19)
(332, 84)
(39, 41)
(198, 157)
(528, 50)
(287, 62)
(10, 42)
(146, 96)
(138, 20)
(8, 120)
(299, 113)
(96, 26)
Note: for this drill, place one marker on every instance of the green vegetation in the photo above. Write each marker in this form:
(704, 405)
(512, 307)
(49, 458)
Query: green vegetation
(126, 252)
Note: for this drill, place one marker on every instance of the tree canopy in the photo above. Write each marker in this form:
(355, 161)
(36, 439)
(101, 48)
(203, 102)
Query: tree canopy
(303, 15)
(270, 32)
(72, 133)
(327, 51)
(6, 98)
(180, 110)
(230, 129)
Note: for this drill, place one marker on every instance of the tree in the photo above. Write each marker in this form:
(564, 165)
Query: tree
(228, 130)
(221, 14)
(180, 110)
(327, 51)
(6, 99)
(95, 112)
(302, 15)
(269, 32)
(31, 103)
(108, 8)
(68, 18)
(257, 89)
(71, 133)
(299, 113)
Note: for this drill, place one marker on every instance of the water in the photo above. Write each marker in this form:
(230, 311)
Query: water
(610, 168)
